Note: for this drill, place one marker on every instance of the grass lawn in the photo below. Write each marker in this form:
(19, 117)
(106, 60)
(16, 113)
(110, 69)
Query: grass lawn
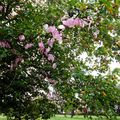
(76, 117)
(61, 117)
(2, 118)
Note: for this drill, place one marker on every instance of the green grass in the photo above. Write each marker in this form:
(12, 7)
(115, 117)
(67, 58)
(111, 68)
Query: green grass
(76, 117)
(2, 118)
(62, 117)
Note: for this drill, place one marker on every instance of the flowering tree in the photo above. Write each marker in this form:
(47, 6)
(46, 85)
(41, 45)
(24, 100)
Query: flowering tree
(40, 45)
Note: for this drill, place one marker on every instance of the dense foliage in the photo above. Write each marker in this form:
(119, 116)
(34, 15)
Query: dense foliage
(41, 44)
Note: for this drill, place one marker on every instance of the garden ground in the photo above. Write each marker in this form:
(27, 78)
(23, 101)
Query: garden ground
(61, 117)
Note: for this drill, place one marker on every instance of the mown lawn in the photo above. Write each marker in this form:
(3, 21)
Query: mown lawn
(61, 117)
(76, 117)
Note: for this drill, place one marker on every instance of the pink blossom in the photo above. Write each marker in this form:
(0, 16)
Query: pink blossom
(51, 57)
(47, 51)
(55, 33)
(41, 46)
(69, 22)
(77, 21)
(1, 8)
(4, 44)
(29, 45)
(52, 29)
(21, 37)
(51, 42)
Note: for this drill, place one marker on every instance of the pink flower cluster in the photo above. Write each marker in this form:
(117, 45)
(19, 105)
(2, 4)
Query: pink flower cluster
(41, 46)
(4, 44)
(51, 57)
(54, 31)
(29, 45)
(21, 37)
(51, 42)
(56, 36)
(46, 51)
(71, 22)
